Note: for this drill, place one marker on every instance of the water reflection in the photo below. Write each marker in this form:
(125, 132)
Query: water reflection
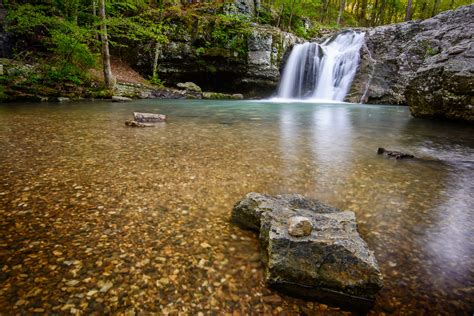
(331, 145)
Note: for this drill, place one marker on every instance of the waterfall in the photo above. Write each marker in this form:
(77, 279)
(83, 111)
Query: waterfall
(322, 71)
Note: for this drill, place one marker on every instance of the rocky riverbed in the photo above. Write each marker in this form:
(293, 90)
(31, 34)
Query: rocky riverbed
(98, 217)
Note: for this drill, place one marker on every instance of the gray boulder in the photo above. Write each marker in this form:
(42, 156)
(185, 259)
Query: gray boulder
(148, 117)
(332, 263)
(444, 87)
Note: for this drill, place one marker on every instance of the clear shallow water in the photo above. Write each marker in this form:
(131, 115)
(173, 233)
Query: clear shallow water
(87, 204)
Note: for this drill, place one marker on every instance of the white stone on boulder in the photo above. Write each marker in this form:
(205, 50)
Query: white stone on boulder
(299, 226)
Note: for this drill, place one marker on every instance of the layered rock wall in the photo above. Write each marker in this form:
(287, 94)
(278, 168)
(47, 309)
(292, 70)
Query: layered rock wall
(254, 73)
(428, 65)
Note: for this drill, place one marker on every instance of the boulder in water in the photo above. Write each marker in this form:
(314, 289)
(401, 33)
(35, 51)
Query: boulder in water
(330, 262)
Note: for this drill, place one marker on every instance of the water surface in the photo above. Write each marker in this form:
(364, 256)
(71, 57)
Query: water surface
(99, 217)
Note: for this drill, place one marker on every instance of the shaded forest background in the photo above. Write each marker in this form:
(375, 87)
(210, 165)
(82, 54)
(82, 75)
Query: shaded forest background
(69, 37)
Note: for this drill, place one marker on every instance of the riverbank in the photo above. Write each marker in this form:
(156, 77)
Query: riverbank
(24, 82)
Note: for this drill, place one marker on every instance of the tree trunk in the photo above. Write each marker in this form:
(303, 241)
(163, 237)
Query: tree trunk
(373, 16)
(324, 10)
(381, 15)
(408, 13)
(341, 11)
(291, 15)
(435, 8)
(363, 11)
(108, 77)
(155, 60)
(281, 13)
(94, 13)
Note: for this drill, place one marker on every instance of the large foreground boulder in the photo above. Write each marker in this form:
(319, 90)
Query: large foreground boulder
(327, 260)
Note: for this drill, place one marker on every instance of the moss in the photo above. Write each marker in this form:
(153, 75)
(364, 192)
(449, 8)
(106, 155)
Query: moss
(207, 28)
(99, 93)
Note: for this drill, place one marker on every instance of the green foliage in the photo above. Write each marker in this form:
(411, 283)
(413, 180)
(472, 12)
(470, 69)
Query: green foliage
(66, 73)
(71, 48)
(29, 20)
(200, 51)
(157, 81)
(64, 32)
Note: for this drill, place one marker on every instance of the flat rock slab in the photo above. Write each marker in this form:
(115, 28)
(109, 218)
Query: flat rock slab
(117, 98)
(332, 263)
(148, 117)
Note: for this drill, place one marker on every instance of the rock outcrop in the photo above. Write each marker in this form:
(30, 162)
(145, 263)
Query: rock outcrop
(427, 64)
(311, 250)
(444, 86)
(254, 71)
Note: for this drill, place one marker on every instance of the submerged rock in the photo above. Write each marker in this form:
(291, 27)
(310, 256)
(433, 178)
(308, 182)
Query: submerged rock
(130, 123)
(393, 154)
(330, 262)
(221, 96)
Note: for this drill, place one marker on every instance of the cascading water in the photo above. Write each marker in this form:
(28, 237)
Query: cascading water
(322, 71)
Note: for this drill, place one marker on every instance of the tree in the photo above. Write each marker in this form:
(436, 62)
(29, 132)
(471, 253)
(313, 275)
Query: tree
(341, 10)
(435, 7)
(408, 12)
(108, 76)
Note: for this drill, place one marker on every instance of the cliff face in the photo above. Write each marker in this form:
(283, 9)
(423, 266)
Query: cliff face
(428, 65)
(254, 72)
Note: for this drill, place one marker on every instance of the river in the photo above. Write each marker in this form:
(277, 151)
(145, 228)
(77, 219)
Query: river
(99, 217)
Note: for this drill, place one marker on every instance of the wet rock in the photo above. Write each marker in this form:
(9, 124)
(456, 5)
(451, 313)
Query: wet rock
(299, 226)
(221, 96)
(237, 96)
(63, 99)
(117, 98)
(332, 263)
(131, 123)
(393, 154)
(149, 117)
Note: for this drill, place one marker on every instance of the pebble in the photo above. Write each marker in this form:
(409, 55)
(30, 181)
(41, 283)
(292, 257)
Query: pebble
(299, 226)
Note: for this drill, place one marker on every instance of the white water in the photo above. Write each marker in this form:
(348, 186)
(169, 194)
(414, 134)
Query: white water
(322, 71)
